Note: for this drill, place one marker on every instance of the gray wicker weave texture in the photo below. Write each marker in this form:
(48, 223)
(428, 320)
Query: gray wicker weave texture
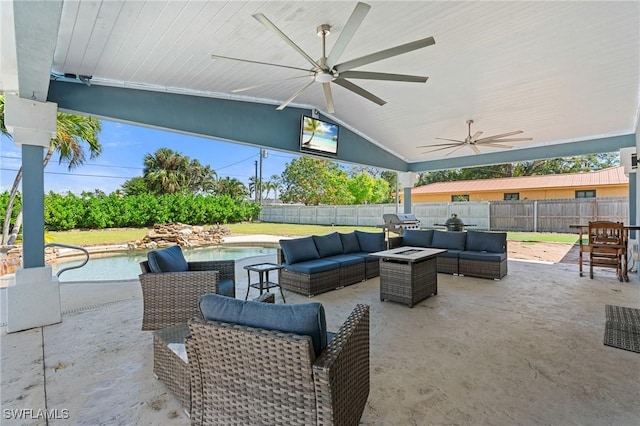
(168, 366)
(483, 269)
(248, 376)
(408, 283)
(171, 298)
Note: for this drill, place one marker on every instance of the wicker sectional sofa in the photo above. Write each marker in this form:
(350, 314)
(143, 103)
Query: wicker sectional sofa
(317, 264)
(473, 253)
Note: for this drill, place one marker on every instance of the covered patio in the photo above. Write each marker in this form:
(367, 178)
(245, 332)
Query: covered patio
(524, 350)
(516, 351)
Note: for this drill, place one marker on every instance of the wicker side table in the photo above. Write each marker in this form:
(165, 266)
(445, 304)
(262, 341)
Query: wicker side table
(168, 366)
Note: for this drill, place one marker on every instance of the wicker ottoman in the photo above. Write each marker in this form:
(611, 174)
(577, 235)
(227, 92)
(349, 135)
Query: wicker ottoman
(168, 366)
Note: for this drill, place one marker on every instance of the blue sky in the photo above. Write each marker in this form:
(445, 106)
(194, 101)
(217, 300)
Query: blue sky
(123, 149)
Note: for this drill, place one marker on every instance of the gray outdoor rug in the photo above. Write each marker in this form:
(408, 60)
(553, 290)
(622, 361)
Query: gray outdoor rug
(622, 329)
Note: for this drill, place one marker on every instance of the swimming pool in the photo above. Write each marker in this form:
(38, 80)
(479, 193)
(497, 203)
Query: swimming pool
(126, 266)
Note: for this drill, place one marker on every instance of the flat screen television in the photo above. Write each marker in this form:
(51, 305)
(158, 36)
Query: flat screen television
(318, 137)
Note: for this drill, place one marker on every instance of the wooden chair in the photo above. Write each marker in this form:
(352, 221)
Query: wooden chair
(607, 246)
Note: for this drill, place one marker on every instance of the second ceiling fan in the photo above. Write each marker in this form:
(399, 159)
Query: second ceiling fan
(326, 70)
(474, 141)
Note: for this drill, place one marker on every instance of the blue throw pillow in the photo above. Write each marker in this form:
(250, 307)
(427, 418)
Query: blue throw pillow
(306, 318)
(328, 245)
(492, 242)
(169, 259)
(370, 242)
(350, 243)
(417, 238)
(452, 240)
(299, 250)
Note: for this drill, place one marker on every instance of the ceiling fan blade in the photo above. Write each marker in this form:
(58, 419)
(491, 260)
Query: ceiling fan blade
(452, 140)
(349, 29)
(295, 95)
(257, 62)
(474, 148)
(439, 144)
(270, 25)
(384, 54)
(475, 136)
(328, 97)
(505, 140)
(255, 86)
(383, 76)
(446, 147)
(496, 145)
(503, 135)
(359, 90)
(449, 153)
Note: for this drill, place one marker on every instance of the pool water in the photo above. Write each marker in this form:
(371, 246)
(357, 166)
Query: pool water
(126, 266)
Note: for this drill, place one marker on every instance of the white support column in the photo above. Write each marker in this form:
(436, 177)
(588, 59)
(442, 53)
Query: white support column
(407, 179)
(33, 300)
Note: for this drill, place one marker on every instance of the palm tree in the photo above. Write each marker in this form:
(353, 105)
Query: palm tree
(313, 126)
(253, 187)
(74, 134)
(275, 184)
(231, 187)
(165, 171)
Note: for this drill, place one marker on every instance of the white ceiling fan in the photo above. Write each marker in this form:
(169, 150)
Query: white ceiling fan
(474, 141)
(326, 69)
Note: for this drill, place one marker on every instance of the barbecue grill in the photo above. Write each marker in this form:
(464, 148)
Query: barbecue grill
(454, 223)
(398, 222)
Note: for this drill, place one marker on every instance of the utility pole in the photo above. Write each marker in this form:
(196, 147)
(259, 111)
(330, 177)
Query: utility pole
(255, 183)
(263, 154)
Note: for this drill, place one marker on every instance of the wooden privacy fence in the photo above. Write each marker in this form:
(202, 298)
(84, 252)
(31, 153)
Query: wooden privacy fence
(522, 215)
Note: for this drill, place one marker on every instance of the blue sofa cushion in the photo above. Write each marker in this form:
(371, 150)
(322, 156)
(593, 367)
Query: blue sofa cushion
(453, 240)
(328, 245)
(494, 242)
(450, 253)
(417, 238)
(365, 256)
(313, 266)
(169, 259)
(370, 242)
(346, 259)
(483, 256)
(299, 250)
(349, 243)
(226, 287)
(305, 318)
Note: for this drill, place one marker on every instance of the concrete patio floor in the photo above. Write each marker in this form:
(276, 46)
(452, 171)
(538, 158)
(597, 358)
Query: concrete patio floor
(526, 350)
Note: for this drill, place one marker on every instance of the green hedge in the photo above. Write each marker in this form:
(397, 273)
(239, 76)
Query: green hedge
(97, 211)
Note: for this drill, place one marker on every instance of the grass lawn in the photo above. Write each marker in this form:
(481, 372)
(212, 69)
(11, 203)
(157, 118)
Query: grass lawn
(122, 236)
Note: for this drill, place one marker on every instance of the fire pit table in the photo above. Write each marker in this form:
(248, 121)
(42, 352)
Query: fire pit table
(408, 274)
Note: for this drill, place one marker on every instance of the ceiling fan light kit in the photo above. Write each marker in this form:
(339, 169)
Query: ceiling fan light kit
(326, 70)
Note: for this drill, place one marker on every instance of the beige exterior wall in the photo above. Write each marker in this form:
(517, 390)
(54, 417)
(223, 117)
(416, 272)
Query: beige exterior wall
(525, 194)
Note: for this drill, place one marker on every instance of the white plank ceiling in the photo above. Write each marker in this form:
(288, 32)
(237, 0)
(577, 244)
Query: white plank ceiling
(559, 71)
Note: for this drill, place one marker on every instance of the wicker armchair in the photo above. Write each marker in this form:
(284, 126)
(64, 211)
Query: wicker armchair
(171, 298)
(248, 376)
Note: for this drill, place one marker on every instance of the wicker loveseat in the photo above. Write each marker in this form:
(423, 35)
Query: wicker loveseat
(261, 364)
(316, 264)
(473, 253)
(171, 286)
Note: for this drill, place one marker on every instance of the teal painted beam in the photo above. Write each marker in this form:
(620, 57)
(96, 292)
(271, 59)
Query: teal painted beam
(222, 119)
(608, 144)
